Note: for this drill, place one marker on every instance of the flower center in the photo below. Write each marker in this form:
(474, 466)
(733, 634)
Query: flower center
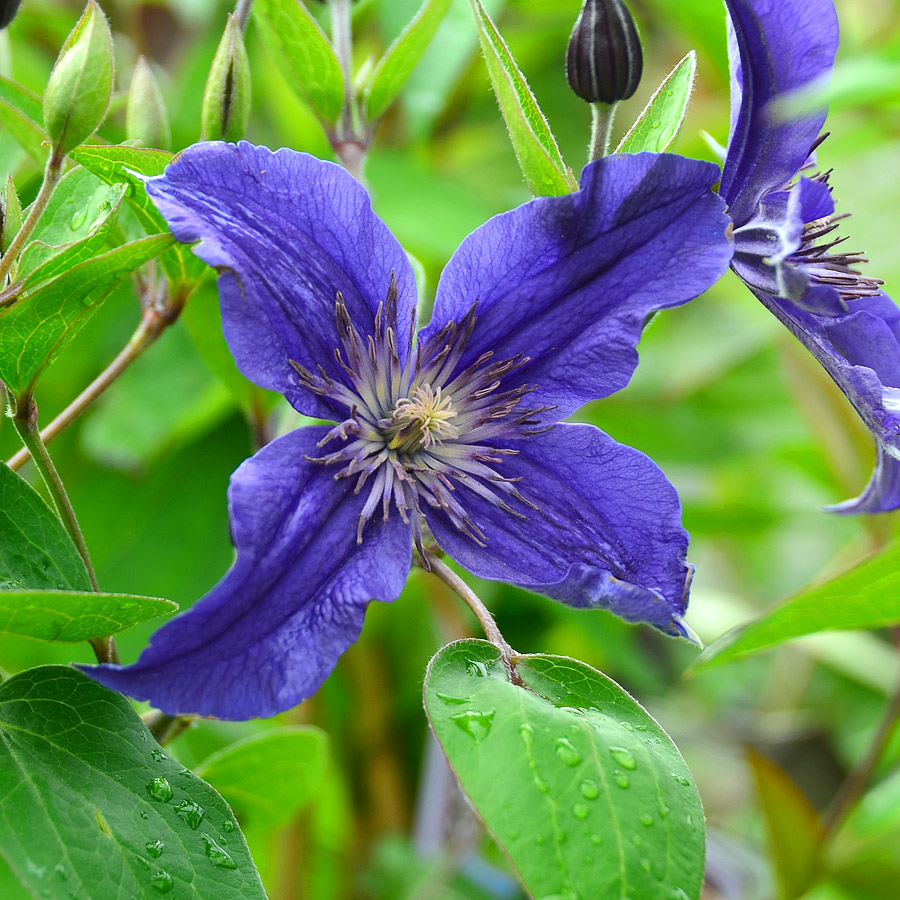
(414, 430)
(421, 421)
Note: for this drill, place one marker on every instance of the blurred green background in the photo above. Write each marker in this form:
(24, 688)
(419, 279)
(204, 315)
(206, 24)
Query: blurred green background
(752, 434)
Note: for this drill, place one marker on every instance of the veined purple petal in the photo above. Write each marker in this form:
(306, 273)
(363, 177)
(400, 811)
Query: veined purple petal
(271, 631)
(569, 281)
(776, 48)
(286, 231)
(607, 532)
(861, 352)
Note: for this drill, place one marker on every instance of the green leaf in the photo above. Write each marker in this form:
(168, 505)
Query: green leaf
(46, 317)
(90, 806)
(534, 144)
(795, 833)
(73, 228)
(21, 113)
(585, 793)
(36, 553)
(656, 128)
(124, 165)
(270, 775)
(866, 596)
(69, 616)
(302, 53)
(402, 57)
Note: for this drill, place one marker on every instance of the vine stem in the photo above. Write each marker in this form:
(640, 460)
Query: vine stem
(857, 782)
(485, 619)
(242, 13)
(351, 148)
(52, 174)
(602, 115)
(153, 322)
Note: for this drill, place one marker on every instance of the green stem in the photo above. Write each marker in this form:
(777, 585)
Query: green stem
(434, 565)
(603, 115)
(242, 13)
(350, 145)
(52, 174)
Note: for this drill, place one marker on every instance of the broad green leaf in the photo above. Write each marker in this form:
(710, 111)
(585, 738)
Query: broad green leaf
(272, 775)
(302, 53)
(866, 596)
(124, 165)
(21, 114)
(36, 553)
(656, 128)
(91, 807)
(45, 318)
(795, 833)
(403, 56)
(73, 228)
(585, 793)
(73, 616)
(534, 144)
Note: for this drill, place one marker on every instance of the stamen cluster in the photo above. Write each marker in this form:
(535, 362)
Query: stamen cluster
(413, 430)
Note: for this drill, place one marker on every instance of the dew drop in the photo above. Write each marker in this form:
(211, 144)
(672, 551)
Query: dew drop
(645, 865)
(160, 789)
(155, 848)
(78, 219)
(527, 734)
(566, 751)
(162, 881)
(637, 841)
(664, 810)
(640, 727)
(145, 814)
(191, 812)
(621, 779)
(589, 789)
(476, 669)
(61, 871)
(646, 819)
(475, 723)
(158, 755)
(217, 853)
(684, 782)
(596, 840)
(623, 757)
(453, 701)
(676, 894)
(228, 826)
(580, 811)
(539, 840)
(627, 726)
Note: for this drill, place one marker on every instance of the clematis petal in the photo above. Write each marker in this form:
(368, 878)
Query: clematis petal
(271, 631)
(286, 231)
(764, 248)
(607, 532)
(861, 352)
(569, 281)
(777, 47)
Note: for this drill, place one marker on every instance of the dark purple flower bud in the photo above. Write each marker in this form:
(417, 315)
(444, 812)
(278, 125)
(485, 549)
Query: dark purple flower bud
(604, 61)
(8, 9)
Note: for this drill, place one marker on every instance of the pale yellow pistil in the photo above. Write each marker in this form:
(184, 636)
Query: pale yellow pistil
(421, 421)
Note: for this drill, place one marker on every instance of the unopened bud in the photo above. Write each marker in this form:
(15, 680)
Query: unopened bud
(226, 100)
(146, 119)
(80, 85)
(604, 60)
(8, 10)
(10, 214)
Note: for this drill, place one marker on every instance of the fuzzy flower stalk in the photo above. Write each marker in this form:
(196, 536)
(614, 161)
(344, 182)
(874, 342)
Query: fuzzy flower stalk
(787, 250)
(452, 433)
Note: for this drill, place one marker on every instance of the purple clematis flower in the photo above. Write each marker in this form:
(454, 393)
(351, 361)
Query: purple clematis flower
(456, 429)
(812, 285)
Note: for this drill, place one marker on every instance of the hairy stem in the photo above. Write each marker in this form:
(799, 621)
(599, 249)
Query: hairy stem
(603, 115)
(152, 325)
(350, 145)
(242, 13)
(52, 174)
(859, 779)
(471, 599)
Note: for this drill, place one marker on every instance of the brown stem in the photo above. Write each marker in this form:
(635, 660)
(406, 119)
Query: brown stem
(485, 619)
(859, 779)
(153, 322)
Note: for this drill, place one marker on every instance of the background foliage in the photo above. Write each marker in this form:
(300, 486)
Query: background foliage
(749, 430)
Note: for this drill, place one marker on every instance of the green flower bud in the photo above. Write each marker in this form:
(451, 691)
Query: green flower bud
(226, 100)
(604, 61)
(80, 85)
(10, 214)
(146, 119)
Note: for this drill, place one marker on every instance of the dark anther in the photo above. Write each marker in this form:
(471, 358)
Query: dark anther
(604, 61)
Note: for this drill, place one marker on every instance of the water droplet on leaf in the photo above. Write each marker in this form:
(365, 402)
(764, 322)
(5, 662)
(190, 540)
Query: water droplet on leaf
(217, 853)
(191, 812)
(596, 840)
(475, 723)
(623, 757)
(145, 814)
(621, 779)
(476, 669)
(646, 819)
(527, 733)
(228, 826)
(627, 726)
(580, 811)
(158, 755)
(155, 848)
(162, 881)
(566, 751)
(453, 701)
(160, 789)
(589, 789)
